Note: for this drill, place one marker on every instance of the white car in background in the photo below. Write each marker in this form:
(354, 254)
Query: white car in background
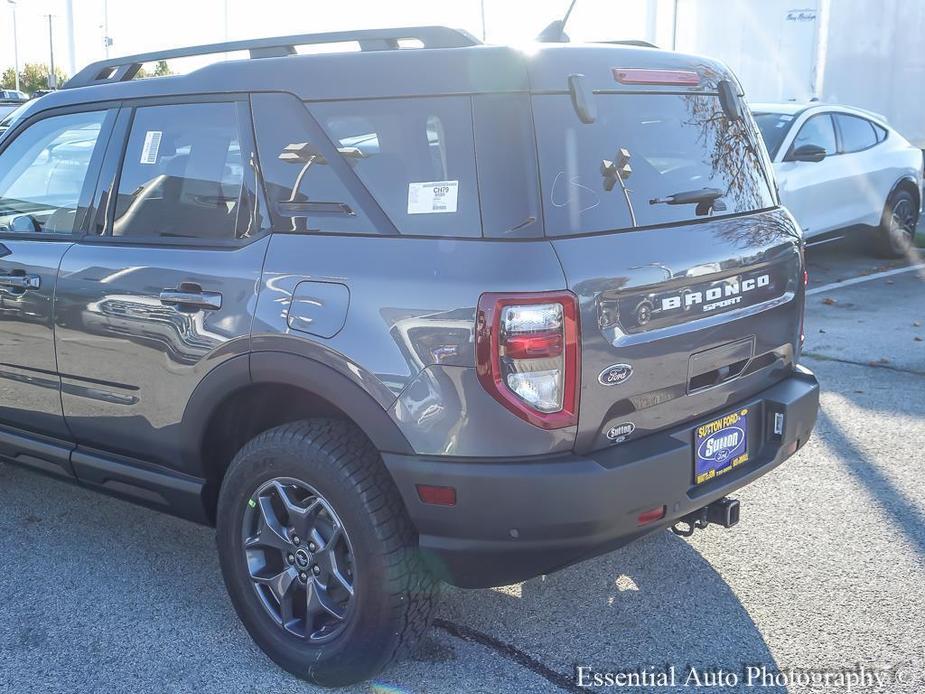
(841, 169)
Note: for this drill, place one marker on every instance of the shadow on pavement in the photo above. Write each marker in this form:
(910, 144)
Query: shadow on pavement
(654, 604)
(904, 514)
(98, 594)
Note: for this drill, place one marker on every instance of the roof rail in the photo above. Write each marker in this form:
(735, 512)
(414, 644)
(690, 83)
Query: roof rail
(125, 69)
(632, 42)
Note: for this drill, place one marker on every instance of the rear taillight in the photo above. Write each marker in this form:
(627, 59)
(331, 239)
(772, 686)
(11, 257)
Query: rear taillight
(527, 355)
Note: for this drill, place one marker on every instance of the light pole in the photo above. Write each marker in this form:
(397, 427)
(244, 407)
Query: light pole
(71, 52)
(107, 39)
(52, 77)
(484, 33)
(15, 44)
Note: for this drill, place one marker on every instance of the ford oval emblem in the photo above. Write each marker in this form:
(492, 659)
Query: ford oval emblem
(615, 375)
(722, 445)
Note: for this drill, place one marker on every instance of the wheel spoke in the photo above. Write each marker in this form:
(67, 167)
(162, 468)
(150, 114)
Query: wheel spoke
(338, 576)
(330, 543)
(327, 560)
(319, 602)
(282, 586)
(270, 532)
(302, 519)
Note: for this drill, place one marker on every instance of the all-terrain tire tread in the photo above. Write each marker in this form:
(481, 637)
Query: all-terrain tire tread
(413, 589)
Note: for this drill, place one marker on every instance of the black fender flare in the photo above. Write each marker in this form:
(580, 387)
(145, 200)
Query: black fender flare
(286, 369)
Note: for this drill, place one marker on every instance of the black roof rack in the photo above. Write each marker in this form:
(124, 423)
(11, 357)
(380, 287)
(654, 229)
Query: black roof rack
(125, 69)
(632, 42)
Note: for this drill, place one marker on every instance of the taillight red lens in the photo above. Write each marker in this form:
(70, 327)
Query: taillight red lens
(533, 346)
(527, 355)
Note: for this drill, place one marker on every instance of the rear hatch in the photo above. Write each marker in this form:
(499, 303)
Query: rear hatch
(663, 215)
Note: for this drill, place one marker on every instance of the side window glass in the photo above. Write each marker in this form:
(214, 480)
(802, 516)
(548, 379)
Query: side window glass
(305, 191)
(819, 131)
(857, 133)
(415, 156)
(505, 149)
(43, 173)
(182, 174)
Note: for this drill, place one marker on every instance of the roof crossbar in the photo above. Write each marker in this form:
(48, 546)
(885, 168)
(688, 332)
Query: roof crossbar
(125, 69)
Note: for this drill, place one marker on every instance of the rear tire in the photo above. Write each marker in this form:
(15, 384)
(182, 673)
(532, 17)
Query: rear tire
(375, 601)
(896, 234)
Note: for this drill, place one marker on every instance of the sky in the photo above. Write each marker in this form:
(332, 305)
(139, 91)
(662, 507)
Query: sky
(140, 26)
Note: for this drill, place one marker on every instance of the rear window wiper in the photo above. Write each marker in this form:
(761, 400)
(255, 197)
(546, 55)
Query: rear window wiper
(706, 199)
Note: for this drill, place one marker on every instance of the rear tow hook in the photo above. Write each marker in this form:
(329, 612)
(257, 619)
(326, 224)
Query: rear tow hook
(724, 512)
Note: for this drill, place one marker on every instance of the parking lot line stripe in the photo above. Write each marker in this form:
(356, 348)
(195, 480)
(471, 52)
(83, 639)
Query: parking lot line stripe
(865, 278)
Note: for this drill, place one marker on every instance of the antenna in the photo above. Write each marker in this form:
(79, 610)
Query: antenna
(555, 32)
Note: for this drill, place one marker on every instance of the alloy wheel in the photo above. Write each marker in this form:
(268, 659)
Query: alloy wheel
(902, 223)
(299, 559)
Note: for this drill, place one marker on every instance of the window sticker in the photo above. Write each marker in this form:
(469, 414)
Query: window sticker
(432, 197)
(151, 146)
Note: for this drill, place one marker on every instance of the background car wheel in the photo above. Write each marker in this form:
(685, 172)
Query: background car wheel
(897, 228)
(318, 554)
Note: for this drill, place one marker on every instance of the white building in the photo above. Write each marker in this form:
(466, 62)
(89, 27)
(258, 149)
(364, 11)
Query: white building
(863, 53)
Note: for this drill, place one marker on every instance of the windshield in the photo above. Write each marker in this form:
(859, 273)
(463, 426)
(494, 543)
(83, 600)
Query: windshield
(774, 128)
(8, 119)
(686, 161)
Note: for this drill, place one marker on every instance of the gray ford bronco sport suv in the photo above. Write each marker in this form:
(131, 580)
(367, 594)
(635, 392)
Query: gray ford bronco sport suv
(424, 311)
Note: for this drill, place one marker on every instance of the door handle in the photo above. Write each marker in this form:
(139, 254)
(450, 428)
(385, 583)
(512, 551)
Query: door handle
(20, 281)
(191, 298)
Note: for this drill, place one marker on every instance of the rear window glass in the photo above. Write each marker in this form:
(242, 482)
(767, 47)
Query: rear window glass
(415, 156)
(676, 144)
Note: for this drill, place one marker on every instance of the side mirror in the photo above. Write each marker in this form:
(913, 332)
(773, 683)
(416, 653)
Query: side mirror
(813, 153)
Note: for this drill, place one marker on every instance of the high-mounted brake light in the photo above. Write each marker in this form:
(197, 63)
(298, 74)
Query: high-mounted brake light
(527, 355)
(678, 78)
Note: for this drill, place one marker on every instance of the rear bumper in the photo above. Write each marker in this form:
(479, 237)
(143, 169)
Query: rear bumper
(515, 519)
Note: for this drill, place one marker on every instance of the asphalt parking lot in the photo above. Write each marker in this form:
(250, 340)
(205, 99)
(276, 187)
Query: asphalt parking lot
(824, 573)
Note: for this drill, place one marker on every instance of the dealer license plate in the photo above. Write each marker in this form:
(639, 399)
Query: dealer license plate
(720, 445)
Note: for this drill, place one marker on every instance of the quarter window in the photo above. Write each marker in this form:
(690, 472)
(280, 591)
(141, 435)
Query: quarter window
(818, 131)
(415, 156)
(182, 175)
(856, 133)
(305, 190)
(44, 173)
